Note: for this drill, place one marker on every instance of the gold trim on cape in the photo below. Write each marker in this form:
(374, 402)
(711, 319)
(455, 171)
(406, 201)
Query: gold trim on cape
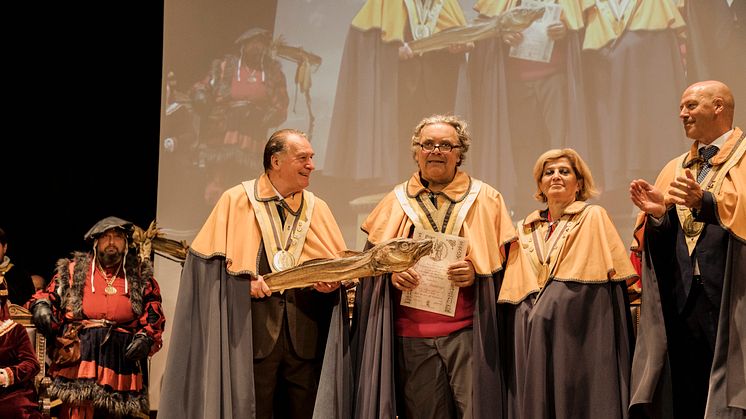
(7, 326)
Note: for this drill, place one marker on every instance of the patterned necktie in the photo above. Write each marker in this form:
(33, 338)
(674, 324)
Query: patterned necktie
(706, 153)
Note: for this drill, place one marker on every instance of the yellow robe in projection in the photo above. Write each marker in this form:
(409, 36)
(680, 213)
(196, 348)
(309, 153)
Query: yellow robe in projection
(391, 18)
(643, 15)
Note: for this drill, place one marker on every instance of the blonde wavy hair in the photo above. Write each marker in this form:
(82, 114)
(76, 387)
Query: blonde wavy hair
(582, 173)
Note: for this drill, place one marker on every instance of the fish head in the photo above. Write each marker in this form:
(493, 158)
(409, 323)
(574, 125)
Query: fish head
(519, 18)
(396, 255)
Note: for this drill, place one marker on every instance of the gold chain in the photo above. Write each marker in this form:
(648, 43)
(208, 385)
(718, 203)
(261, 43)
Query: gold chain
(106, 277)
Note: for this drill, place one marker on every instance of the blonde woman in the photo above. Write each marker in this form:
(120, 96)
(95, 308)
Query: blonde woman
(572, 349)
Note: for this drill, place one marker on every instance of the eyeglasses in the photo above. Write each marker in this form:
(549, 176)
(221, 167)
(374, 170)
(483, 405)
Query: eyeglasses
(444, 148)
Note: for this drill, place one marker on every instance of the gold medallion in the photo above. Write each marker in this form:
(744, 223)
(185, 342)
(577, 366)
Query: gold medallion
(283, 260)
(110, 290)
(692, 228)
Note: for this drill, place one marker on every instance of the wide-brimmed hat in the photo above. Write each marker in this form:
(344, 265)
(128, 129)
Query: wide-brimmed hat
(107, 224)
(253, 33)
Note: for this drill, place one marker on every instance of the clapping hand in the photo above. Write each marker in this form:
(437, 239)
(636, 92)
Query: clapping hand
(686, 191)
(647, 198)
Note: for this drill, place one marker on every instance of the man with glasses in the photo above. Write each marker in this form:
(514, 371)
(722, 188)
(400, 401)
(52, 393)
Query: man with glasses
(427, 364)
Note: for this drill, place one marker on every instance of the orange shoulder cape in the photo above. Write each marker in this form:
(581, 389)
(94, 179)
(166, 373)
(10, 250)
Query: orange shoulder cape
(232, 231)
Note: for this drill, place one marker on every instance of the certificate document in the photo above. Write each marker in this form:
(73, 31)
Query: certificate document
(435, 293)
(536, 45)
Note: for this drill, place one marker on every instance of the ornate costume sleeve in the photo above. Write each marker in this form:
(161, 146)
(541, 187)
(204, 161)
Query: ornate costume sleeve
(26, 366)
(152, 322)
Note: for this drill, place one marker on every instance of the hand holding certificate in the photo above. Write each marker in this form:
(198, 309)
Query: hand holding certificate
(537, 45)
(435, 292)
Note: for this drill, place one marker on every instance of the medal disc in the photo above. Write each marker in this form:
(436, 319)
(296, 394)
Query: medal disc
(283, 260)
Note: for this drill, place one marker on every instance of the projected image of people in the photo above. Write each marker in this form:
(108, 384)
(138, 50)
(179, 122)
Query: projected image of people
(385, 86)
(242, 97)
(216, 127)
(527, 84)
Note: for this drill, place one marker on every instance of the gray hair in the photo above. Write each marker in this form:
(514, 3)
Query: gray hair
(457, 123)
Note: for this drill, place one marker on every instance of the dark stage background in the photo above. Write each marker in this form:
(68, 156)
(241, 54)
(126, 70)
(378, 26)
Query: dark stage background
(82, 140)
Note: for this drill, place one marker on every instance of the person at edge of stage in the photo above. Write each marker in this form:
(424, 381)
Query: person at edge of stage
(18, 281)
(102, 312)
(18, 366)
(690, 359)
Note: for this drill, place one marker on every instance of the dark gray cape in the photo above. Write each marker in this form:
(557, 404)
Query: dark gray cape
(513, 326)
(651, 371)
(363, 138)
(634, 86)
(716, 45)
(210, 367)
(209, 371)
(578, 343)
(373, 350)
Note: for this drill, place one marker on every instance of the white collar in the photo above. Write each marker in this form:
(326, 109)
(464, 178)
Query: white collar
(719, 141)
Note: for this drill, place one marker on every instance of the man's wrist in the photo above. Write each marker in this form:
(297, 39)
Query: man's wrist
(656, 221)
(657, 215)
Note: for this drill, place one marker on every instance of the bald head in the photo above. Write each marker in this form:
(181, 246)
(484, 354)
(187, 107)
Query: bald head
(706, 110)
(716, 90)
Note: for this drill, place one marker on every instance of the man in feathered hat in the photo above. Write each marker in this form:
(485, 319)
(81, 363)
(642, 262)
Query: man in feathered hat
(110, 318)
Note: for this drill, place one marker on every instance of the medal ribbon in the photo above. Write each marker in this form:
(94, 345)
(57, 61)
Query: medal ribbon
(545, 249)
(617, 13)
(293, 234)
(434, 215)
(423, 15)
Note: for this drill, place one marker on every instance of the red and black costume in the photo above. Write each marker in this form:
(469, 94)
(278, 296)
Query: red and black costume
(102, 377)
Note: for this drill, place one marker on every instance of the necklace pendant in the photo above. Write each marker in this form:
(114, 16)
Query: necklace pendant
(110, 290)
(283, 260)
(421, 31)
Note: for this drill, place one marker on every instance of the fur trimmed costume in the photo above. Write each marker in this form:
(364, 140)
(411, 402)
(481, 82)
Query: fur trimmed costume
(101, 376)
